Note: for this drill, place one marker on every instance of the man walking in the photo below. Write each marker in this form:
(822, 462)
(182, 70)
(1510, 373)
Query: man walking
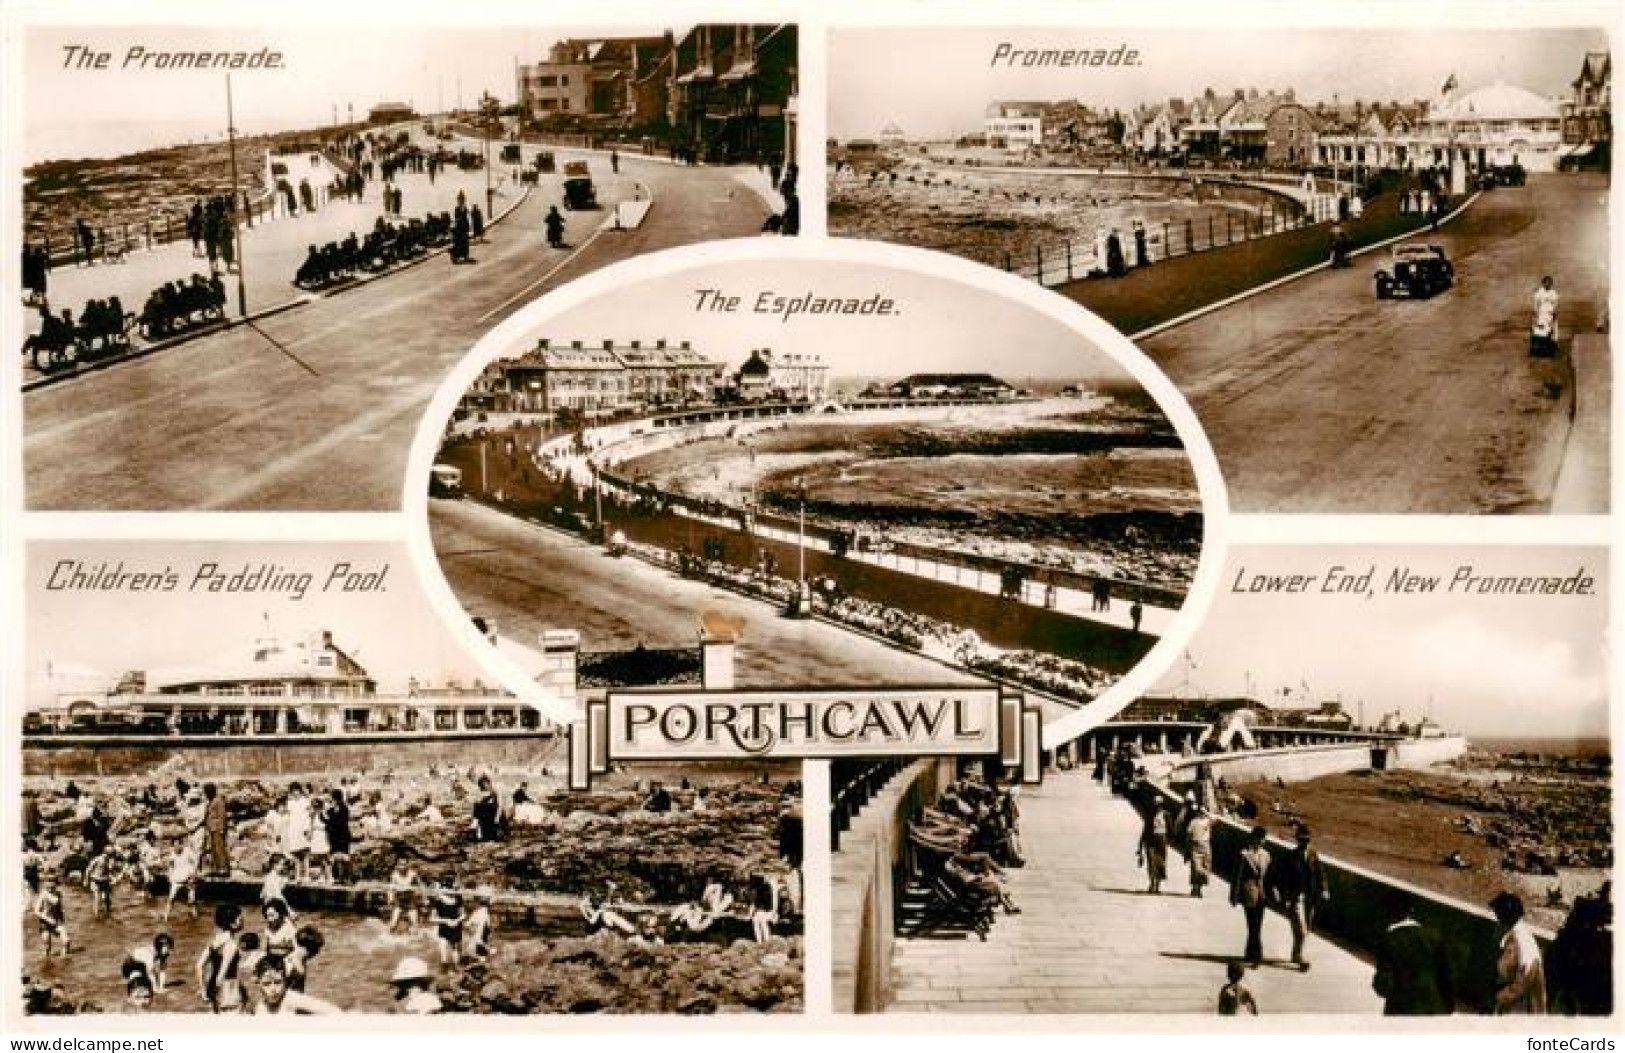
(1300, 884)
(1247, 892)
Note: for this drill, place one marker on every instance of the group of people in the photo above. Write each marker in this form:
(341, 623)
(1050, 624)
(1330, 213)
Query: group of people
(210, 228)
(387, 243)
(175, 305)
(1414, 974)
(969, 838)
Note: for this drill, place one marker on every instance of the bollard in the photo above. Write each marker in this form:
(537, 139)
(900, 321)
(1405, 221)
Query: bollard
(1069, 261)
(1210, 230)
(1038, 276)
(1167, 246)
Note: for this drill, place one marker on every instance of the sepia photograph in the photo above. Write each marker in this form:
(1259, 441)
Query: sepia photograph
(1375, 261)
(234, 237)
(1378, 782)
(302, 799)
(882, 477)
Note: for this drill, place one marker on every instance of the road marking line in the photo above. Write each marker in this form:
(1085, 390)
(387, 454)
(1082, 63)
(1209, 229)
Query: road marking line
(560, 266)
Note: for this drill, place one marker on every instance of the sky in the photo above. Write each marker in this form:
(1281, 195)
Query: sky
(944, 93)
(395, 635)
(943, 325)
(1491, 665)
(71, 113)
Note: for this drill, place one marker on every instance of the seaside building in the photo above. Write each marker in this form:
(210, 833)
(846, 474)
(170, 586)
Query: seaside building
(951, 385)
(765, 375)
(1588, 117)
(1267, 128)
(1014, 125)
(391, 113)
(595, 380)
(1499, 124)
(276, 688)
(608, 83)
(733, 93)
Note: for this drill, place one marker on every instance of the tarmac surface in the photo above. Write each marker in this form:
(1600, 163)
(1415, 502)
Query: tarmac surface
(1317, 397)
(529, 578)
(315, 408)
(1090, 939)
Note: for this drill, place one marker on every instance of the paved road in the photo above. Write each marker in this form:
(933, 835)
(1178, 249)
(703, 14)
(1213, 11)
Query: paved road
(529, 578)
(1319, 398)
(1090, 940)
(314, 409)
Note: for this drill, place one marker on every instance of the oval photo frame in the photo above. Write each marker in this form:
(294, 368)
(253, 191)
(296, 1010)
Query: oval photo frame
(624, 279)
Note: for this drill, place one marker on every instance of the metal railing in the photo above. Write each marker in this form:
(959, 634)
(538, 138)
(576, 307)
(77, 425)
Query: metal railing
(1055, 264)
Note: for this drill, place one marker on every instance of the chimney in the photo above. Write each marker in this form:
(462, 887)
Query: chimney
(660, 345)
(542, 345)
(575, 345)
(609, 345)
(636, 344)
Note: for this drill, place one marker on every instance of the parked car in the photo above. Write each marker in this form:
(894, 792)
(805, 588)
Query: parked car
(1416, 270)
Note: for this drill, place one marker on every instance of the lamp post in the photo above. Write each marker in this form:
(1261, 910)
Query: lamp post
(231, 139)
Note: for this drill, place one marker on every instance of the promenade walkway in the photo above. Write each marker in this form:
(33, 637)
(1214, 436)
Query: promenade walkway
(1090, 940)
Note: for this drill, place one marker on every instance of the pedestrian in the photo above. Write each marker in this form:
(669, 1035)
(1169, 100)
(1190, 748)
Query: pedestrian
(1520, 976)
(215, 828)
(194, 226)
(1135, 613)
(555, 227)
(1412, 974)
(1247, 892)
(1300, 885)
(614, 162)
(1141, 258)
(791, 226)
(336, 820)
(1234, 998)
(1153, 850)
(1199, 847)
(476, 220)
(86, 240)
(1115, 267)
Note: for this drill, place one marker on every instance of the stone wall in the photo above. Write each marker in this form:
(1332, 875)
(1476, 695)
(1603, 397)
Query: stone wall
(867, 876)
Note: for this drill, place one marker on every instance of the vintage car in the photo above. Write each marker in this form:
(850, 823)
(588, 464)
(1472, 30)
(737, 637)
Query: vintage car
(445, 480)
(1415, 270)
(578, 189)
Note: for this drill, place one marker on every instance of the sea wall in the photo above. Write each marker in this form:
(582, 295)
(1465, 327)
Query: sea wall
(867, 877)
(211, 758)
(1301, 763)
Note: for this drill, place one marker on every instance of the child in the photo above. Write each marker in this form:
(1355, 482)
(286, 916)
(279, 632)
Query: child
(51, 913)
(448, 925)
(218, 967)
(401, 900)
(479, 927)
(99, 880)
(33, 868)
(411, 983)
(1234, 998)
(151, 962)
(183, 879)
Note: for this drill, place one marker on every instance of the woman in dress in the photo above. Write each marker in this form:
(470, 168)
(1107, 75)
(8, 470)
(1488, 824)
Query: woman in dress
(1520, 976)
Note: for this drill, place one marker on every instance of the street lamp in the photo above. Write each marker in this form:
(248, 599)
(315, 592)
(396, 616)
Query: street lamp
(231, 139)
